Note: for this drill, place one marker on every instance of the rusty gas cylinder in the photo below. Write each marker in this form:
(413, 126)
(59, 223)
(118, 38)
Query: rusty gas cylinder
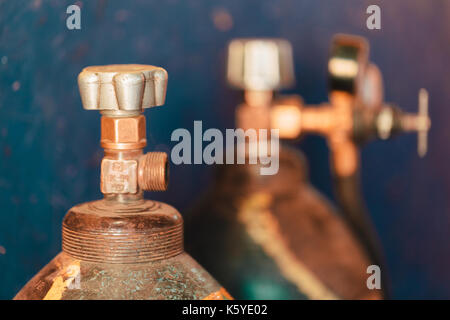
(273, 236)
(123, 246)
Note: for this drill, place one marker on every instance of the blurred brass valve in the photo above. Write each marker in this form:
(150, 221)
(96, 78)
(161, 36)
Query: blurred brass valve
(356, 111)
(153, 171)
(389, 120)
(302, 246)
(259, 66)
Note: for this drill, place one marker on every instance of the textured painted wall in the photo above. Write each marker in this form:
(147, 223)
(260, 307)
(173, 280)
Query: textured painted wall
(49, 145)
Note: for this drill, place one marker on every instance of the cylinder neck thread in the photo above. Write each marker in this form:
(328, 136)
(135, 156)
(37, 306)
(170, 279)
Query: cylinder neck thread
(122, 233)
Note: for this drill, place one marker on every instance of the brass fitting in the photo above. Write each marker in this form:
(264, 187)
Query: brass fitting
(356, 110)
(286, 115)
(123, 133)
(121, 93)
(132, 172)
(153, 171)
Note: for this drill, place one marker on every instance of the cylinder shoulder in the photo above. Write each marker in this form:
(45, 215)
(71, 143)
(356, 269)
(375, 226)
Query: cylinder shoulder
(67, 278)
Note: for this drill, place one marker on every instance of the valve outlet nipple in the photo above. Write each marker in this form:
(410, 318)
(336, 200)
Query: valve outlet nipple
(153, 171)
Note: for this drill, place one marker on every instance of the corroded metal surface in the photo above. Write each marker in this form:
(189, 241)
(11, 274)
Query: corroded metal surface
(110, 232)
(179, 277)
(121, 251)
(276, 237)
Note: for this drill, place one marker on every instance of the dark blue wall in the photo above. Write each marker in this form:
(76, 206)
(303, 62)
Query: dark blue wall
(49, 145)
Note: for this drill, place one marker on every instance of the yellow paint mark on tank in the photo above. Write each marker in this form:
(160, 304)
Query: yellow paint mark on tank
(57, 289)
(263, 228)
(67, 279)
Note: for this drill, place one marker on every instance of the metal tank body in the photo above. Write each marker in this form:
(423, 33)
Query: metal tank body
(123, 246)
(113, 251)
(275, 237)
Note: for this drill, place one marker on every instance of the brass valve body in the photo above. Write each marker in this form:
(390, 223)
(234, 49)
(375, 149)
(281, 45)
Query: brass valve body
(125, 169)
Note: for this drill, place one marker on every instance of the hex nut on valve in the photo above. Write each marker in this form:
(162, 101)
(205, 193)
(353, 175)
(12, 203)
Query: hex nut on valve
(123, 133)
(153, 171)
